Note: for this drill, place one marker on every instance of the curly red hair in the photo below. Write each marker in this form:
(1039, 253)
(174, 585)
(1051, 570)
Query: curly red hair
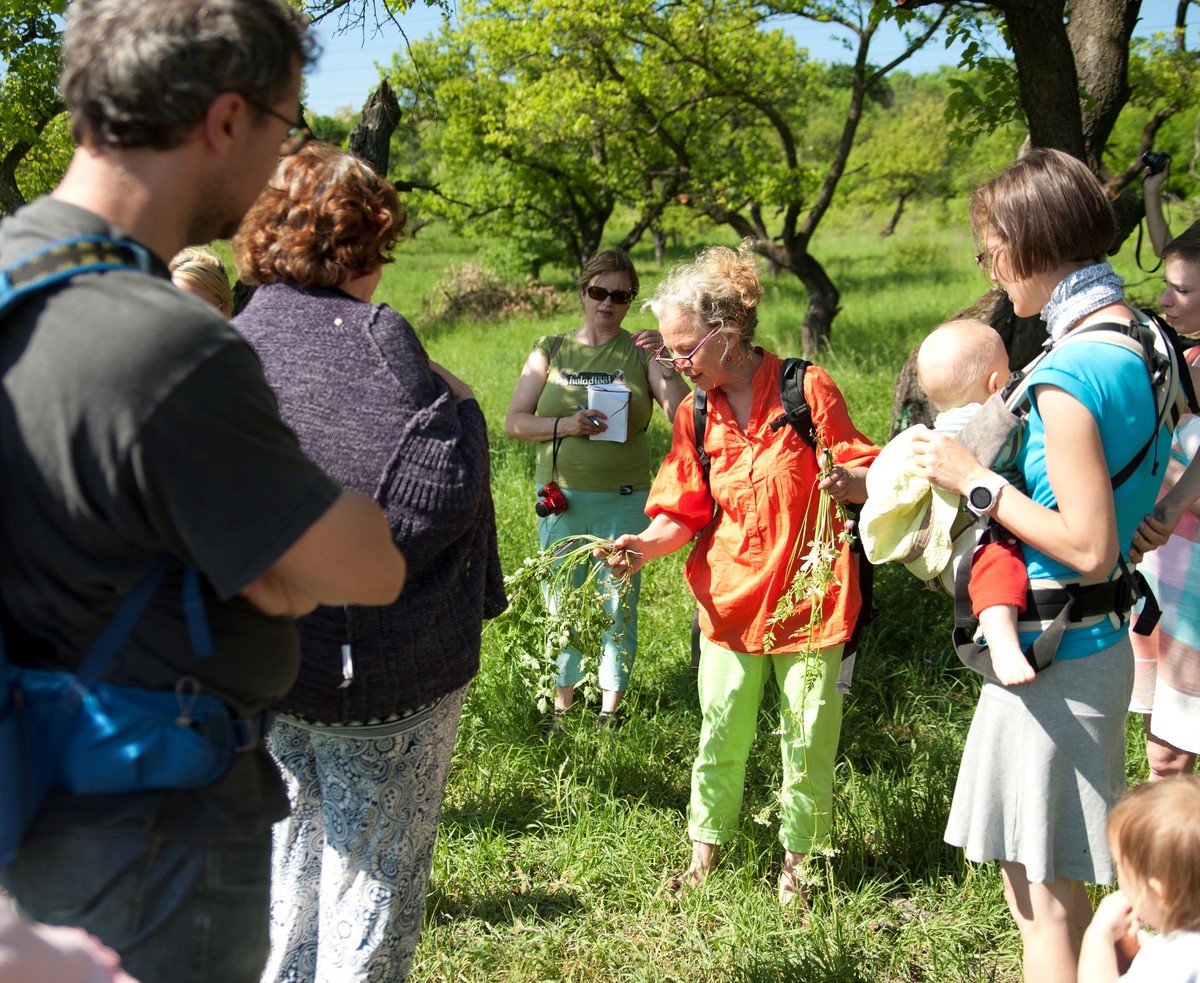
(325, 218)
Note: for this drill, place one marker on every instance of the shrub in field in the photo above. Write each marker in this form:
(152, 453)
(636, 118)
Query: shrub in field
(469, 292)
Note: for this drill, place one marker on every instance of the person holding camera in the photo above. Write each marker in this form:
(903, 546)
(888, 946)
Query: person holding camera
(588, 483)
(364, 737)
(1158, 169)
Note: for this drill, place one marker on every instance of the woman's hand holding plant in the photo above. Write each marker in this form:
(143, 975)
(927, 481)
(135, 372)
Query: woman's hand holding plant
(625, 555)
(844, 484)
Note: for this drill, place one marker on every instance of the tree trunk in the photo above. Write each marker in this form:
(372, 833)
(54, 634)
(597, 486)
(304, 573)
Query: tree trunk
(10, 194)
(823, 303)
(1046, 74)
(660, 245)
(371, 138)
(1099, 33)
(901, 198)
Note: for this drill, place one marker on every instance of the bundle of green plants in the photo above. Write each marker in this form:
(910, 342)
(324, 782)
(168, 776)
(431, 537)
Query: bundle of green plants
(565, 595)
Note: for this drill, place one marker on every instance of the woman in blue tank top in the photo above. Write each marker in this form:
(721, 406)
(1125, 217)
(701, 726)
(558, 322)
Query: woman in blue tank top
(1044, 761)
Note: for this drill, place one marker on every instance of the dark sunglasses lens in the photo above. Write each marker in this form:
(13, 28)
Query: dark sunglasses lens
(618, 296)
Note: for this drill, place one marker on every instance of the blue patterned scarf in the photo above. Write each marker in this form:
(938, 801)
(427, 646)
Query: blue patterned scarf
(1079, 294)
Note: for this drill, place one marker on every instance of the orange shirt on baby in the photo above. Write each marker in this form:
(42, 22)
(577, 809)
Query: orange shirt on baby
(764, 484)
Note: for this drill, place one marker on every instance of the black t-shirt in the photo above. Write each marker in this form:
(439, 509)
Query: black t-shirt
(135, 422)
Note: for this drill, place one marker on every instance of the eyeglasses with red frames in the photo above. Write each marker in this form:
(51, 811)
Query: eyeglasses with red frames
(684, 361)
(599, 294)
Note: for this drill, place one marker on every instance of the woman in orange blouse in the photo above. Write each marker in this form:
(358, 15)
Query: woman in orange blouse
(764, 484)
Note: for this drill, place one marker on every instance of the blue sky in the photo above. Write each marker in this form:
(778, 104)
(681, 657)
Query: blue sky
(347, 71)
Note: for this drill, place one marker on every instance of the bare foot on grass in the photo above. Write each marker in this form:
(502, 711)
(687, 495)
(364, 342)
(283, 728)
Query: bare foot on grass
(704, 855)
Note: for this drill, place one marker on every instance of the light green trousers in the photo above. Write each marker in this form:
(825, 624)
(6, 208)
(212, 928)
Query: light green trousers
(731, 688)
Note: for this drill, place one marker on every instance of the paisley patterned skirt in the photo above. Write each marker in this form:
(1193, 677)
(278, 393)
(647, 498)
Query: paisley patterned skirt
(350, 865)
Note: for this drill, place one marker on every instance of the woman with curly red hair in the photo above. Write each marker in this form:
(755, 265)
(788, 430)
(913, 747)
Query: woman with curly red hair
(364, 738)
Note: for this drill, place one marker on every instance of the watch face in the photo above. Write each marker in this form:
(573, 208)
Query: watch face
(981, 498)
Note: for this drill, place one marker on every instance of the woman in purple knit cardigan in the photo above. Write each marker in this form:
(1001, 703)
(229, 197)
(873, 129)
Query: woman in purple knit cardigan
(364, 738)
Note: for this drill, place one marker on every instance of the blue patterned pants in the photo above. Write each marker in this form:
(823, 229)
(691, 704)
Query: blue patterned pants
(350, 866)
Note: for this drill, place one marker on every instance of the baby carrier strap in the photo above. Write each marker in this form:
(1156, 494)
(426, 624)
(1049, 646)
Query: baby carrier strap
(1050, 609)
(1053, 610)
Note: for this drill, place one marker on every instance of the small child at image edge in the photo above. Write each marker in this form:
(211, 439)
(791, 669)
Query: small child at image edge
(1154, 833)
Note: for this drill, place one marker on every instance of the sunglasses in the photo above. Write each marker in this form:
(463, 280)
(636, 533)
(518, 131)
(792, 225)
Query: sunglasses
(618, 296)
(683, 361)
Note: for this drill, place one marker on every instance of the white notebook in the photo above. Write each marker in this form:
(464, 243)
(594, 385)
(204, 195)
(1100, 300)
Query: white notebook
(613, 401)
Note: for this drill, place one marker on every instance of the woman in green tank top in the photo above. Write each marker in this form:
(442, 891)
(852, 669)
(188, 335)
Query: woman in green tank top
(603, 481)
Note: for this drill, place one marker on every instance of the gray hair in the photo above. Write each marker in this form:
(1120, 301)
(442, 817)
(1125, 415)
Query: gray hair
(720, 288)
(142, 73)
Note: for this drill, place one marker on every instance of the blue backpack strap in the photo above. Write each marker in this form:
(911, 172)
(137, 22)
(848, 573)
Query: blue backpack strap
(193, 613)
(64, 259)
(118, 628)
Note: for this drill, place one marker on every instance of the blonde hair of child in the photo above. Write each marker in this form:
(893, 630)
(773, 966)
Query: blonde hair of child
(1155, 829)
(204, 268)
(956, 359)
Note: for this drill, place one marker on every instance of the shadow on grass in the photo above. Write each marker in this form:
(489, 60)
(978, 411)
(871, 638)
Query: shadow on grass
(835, 969)
(504, 907)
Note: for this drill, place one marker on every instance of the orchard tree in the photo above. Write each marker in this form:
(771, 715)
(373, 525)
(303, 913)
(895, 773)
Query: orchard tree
(33, 151)
(551, 113)
(905, 153)
(526, 110)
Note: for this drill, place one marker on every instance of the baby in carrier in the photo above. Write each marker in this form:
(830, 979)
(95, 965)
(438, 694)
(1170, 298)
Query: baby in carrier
(959, 365)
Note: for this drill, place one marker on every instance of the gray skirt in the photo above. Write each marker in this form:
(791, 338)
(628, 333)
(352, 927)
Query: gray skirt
(1043, 765)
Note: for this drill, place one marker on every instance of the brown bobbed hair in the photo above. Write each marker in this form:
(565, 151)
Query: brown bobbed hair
(608, 261)
(1046, 209)
(324, 218)
(1156, 830)
(1185, 246)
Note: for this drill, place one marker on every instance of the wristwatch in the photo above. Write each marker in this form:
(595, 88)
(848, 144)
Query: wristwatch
(981, 499)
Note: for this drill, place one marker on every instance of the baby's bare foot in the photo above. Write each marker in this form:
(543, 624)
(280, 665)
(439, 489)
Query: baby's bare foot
(1010, 665)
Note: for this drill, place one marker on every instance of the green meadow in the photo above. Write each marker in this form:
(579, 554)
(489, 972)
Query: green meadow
(552, 856)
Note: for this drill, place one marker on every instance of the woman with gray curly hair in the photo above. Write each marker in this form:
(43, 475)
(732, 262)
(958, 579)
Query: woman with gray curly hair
(756, 498)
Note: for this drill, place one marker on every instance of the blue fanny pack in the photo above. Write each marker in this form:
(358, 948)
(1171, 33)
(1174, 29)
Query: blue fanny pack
(64, 730)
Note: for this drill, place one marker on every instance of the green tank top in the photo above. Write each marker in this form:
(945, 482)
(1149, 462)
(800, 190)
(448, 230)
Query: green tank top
(595, 465)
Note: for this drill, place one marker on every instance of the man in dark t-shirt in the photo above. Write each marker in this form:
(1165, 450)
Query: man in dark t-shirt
(135, 423)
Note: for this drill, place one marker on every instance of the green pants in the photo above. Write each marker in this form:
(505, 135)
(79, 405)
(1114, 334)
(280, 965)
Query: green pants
(731, 687)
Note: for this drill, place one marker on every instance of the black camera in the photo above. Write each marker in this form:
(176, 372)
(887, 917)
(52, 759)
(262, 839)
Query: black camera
(1155, 160)
(551, 500)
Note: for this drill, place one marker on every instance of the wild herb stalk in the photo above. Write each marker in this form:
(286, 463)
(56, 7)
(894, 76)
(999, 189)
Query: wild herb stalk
(562, 596)
(814, 577)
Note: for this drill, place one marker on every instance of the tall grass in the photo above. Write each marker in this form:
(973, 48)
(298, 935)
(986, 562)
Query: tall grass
(552, 856)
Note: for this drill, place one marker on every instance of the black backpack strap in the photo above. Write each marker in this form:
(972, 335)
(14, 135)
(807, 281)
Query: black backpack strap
(796, 410)
(700, 422)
